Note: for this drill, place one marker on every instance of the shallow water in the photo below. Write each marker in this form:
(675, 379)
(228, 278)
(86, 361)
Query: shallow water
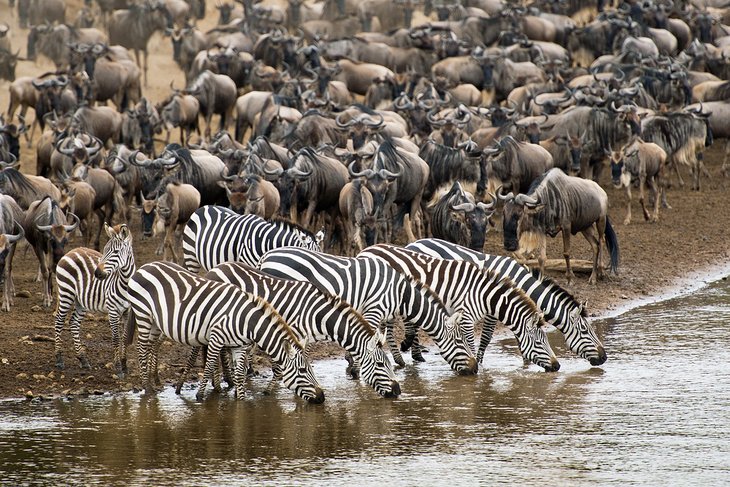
(656, 413)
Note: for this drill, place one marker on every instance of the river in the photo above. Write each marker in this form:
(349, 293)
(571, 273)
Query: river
(656, 413)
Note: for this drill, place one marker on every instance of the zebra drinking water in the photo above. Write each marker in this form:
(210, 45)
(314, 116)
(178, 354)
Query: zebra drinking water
(380, 294)
(480, 295)
(215, 234)
(189, 309)
(320, 316)
(90, 281)
(561, 309)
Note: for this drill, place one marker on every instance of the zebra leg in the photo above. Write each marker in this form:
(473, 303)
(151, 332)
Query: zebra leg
(186, 370)
(64, 306)
(417, 350)
(486, 336)
(228, 366)
(215, 345)
(397, 357)
(353, 368)
(147, 335)
(114, 319)
(75, 326)
(239, 375)
(152, 365)
(276, 377)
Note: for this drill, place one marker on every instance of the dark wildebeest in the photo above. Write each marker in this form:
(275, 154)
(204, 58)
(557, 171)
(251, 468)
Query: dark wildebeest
(10, 217)
(216, 94)
(358, 215)
(133, 27)
(47, 230)
(515, 165)
(559, 203)
(180, 110)
(172, 211)
(25, 189)
(457, 217)
(642, 161)
(683, 136)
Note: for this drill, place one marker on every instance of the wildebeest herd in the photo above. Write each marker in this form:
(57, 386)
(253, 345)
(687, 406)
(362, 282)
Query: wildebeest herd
(344, 126)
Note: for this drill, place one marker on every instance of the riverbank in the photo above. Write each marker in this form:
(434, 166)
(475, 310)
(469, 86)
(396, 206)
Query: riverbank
(687, 248)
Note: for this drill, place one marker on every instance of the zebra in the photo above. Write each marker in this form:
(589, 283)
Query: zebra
(560, 308)
(320, 316)
(189, 309)
(90, 281)
(380, 294)
(215, 234)
(480, 295)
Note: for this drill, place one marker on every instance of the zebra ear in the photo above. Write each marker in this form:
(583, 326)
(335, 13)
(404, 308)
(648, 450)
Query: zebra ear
(109, 230)
(454, 320)
(124, 232)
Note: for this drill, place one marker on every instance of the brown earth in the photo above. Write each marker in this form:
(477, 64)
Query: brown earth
(687, 244)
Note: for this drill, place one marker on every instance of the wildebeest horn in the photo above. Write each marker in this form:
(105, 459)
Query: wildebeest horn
(623, 75)
(13, 162)
(66, 151)
(372, 124)
(504, 197)
(72, 227)
(366, 173)
(385, 174)
(95, 146)
(434, 121)
(276, 172)
(403, 103)
(467, 207)
(298, 173)
(491, 150)
(523, 199)
(133, 160)
(342, 125)
(11, 239)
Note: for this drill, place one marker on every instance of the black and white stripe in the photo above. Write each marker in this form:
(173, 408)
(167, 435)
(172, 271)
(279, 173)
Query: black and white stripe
(320, 316)
(215, 234)
(480, 295)
(560, 308)
(90, 281)
(189, 309)
(380, 294)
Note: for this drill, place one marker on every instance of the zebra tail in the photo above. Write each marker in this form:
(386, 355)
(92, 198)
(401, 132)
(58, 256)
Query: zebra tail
(612, 244)
(131, 327)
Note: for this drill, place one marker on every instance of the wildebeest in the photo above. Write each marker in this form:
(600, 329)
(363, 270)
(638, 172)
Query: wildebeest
(216, 94)
(560, 203)
(25, 189)
(457, 217)
(515, 165)
(358, 215)
(47, 230)
(642, 161)
(172, 212)
(180, 110)
(133, 27)
(11, 231)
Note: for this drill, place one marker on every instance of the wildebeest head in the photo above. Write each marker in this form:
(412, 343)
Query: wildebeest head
(477, 217)
(289, 180)
(360, 127)
(57, 234)
(147, 216)
(619, 176)
(513, 212)
(224, 10)
(8, 63)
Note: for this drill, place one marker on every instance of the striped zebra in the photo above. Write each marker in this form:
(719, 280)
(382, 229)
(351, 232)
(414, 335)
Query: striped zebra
(319, 316)
(380, 294)
(189, 309)
(560, 308)
(480, 295)
(90, 281)
(215, 234)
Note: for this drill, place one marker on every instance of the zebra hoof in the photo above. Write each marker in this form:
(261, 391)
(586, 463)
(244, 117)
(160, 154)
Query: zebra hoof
(178, 388)
(353, 372)
(199, 396)
(84, 363)
(418, 357)
(400, 362)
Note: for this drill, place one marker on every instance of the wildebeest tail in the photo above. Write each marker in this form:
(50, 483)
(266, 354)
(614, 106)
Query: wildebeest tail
(612, 244)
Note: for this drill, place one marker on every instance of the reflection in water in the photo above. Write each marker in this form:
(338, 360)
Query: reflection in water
(656, 412)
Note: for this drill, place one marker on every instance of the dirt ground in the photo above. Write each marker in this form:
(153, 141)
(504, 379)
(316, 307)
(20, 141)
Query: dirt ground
(687, 243)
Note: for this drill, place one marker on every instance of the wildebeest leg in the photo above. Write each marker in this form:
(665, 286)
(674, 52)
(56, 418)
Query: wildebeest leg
(9, 285)
(679, 176)
(724, 169)
(627, 220)
(642, 183)
(596, 248)
(655, 191)
(566, 254)
(308, 214)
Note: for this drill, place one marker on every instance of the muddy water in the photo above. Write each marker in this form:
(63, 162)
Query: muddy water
(656, 413)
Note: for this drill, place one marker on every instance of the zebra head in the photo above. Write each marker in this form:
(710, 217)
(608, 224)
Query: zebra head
(298, 375)
(454, 347)
(584, 341)
(533, 343)
(117, 251)
(375, 367)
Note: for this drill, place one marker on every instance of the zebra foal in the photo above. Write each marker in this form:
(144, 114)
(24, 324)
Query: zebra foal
(380, 294)
(479, 295)
(320, 316)
(215, 234)
(90, 281)
(560, 308)
(189, 309)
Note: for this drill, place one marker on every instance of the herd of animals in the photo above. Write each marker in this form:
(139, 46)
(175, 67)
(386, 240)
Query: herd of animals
(345, 126)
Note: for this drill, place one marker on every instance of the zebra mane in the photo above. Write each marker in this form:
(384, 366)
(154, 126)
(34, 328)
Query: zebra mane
(517, 291)
(342, 305)
(558, 289)
(421, 285)
(290, 225)
(275, 314)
